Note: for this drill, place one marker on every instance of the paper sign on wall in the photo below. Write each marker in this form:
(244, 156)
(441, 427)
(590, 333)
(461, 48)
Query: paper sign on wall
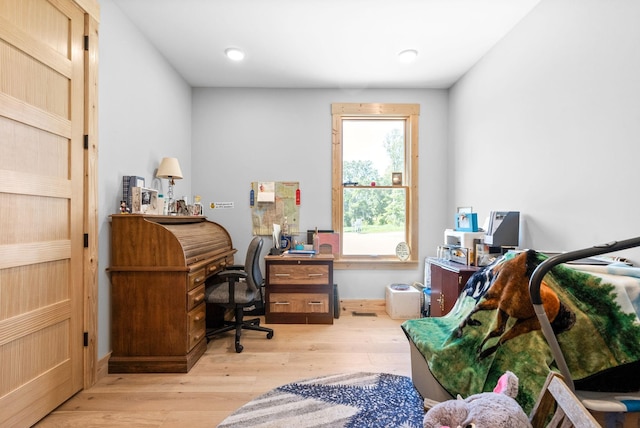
(221, 205)
(266, 191)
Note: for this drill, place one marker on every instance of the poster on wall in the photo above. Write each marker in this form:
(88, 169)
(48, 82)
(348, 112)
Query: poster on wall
(285, 203)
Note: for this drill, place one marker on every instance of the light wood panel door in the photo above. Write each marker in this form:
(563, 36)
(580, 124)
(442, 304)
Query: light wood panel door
(41, 206)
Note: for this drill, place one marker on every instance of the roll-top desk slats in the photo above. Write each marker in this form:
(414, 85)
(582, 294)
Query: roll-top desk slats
(159, 265)
(199, 240)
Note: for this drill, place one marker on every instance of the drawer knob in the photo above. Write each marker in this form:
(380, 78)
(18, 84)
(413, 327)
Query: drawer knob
(199, 298)
(282, 303)
(315, 303)
(283, 274)
(315, 274)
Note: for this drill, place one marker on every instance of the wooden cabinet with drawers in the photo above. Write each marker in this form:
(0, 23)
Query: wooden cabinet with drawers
(159, 265)
(447, 281)
(299, 290)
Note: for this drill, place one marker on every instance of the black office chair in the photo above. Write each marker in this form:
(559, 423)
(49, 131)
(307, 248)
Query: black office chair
(238, 289)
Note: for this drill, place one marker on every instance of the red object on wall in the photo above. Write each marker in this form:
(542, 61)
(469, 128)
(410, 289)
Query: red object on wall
(297, 196)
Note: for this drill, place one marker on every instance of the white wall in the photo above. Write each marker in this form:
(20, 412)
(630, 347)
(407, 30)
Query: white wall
(246, 135)
(548, 123)
(144, 115)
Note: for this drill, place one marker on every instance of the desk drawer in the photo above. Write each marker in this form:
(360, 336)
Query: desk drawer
(299, 302)
(218, 265)
(197, 325)
(195, 297)
(299, 274)
(197, 278)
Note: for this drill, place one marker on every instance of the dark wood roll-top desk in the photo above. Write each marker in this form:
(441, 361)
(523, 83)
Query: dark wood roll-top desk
(159, 265)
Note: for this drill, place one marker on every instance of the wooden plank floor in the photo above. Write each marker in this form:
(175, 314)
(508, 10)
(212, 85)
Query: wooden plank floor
(222, 381)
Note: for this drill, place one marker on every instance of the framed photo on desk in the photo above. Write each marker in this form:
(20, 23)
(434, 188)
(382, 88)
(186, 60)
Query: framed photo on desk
(144, 201)
(466, 222)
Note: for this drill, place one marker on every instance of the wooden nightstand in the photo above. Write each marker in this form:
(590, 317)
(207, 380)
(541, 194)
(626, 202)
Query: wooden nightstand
(299, 290)
(447, 281)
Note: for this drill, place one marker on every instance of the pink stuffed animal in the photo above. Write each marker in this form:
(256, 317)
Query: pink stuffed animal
(497, 409)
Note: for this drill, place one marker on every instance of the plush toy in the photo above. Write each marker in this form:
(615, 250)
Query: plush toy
(497, 409)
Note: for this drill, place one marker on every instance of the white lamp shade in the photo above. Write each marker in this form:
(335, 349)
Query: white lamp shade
(169, 168)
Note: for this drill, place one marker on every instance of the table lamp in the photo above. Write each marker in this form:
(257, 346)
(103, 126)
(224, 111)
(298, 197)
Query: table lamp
(170, 169)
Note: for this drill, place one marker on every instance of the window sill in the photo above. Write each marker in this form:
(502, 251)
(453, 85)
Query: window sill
(370, 264)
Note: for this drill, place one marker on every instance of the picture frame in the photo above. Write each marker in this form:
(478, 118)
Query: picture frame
(464, 210)
(460, 255)
(181, 207)
(466, 222)
(144, 201)
(128, 183)
(195, 209)
(396, 178)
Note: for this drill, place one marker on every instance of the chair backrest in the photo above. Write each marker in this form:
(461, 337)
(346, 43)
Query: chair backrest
(557, 398)
(252, 263)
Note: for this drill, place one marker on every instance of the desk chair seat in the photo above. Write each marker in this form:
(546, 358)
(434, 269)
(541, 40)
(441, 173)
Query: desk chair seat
(237, 288)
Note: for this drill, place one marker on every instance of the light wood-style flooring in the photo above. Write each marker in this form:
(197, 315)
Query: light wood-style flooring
(222, 381)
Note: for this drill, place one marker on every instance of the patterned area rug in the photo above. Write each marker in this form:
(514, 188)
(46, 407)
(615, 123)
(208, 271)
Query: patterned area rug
(343, 400)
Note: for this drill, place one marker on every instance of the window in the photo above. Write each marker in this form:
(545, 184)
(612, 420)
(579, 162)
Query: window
(375, 183)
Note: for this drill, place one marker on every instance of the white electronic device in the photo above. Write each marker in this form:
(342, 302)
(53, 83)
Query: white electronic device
(462, 239)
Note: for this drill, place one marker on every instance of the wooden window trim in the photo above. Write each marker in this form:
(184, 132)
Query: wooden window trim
(409, 112)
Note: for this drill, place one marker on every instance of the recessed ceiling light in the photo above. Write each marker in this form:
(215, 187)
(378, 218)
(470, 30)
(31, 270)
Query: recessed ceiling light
(408, 55)
(234, 54)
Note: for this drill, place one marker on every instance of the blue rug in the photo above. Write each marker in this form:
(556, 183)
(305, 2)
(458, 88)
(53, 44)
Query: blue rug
(344, 400)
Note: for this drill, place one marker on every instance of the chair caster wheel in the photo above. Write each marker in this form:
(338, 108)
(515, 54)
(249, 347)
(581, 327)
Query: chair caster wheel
(239, 348)
(270, 335)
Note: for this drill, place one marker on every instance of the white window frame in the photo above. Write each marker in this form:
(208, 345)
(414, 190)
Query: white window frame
(410, 113)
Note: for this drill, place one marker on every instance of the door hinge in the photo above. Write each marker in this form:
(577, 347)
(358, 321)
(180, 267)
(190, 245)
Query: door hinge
(86, 43)
(86, 142)
(86, 240)
(85, 338)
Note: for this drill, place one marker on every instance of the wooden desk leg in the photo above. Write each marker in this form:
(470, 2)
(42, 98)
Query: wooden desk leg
(631, 420)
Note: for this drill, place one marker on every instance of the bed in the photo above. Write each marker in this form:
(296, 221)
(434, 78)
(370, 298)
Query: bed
(593, 312)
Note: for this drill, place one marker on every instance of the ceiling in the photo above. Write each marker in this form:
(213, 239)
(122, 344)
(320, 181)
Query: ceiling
(324, 43)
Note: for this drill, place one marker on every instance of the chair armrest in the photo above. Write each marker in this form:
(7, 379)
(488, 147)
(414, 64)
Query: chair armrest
(232, 274)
